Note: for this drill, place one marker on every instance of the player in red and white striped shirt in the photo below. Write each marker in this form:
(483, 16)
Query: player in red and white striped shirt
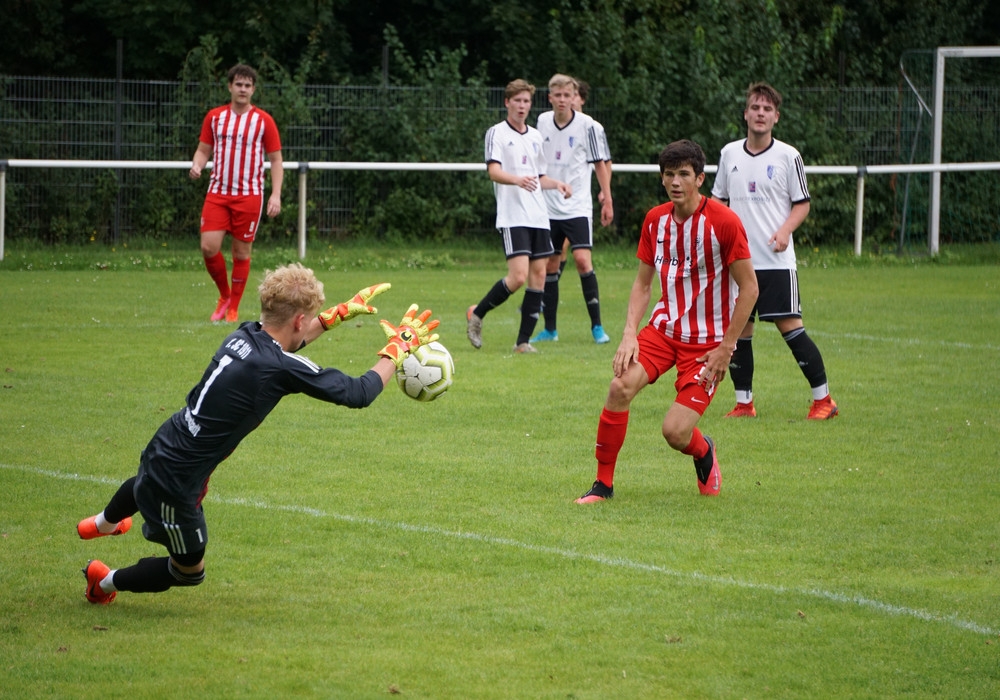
(237, 137)
(698, 249)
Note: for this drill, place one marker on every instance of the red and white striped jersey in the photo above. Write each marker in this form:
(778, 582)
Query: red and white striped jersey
(692, 259)
(239, 144)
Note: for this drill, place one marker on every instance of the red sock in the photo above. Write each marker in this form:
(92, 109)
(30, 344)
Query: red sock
(241, 271)
(698, 447)
(216, 266)
(610, 437)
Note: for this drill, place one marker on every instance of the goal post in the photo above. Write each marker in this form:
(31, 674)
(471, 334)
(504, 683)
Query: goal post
(943, 53)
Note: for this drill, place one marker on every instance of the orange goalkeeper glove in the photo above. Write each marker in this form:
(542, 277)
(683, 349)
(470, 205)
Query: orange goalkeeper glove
(413, 331)
(349, 309)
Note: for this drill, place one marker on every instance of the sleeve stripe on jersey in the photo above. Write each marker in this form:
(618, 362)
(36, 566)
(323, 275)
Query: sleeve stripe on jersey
(800, 172)
(487, 147)
(598, 146)
(304, 360)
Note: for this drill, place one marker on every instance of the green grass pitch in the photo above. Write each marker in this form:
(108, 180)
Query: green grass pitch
(434, 550)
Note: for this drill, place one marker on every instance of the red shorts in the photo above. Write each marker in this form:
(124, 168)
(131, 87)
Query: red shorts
(237, 215)
(658, 353)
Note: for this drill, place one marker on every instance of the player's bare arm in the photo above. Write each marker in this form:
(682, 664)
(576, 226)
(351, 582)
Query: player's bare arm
(549, 183)
(717, 360)
(277, 179)
(602, 169)
(780, 238)
(638, 302)
(502, 177)
(201, 157)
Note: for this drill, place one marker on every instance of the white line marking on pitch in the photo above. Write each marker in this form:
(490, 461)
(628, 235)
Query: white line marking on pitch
(617, 562)
(904, 341)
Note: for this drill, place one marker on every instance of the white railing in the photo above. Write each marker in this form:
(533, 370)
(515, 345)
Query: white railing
(303, 168)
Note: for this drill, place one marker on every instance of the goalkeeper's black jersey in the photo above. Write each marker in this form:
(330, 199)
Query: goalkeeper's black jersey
(247, 377)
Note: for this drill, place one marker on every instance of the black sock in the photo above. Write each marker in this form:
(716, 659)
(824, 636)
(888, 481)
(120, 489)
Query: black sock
(550, 306)
(807, 355)
(591, 297)
(122, 505)
(703, 466)
(530, 308)
(497, 295)
(741, 365)
(148, 575)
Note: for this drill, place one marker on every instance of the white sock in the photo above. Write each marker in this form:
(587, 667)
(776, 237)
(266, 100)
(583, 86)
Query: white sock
(107, 583)
(103, 525)
(821, 392)
(744, 396)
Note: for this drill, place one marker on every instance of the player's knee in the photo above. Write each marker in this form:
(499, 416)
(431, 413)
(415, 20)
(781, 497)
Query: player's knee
(185, 578)
(675, 438)
(515, 281)
(620, 393)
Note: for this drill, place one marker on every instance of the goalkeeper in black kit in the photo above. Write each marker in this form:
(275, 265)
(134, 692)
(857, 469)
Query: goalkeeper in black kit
(252, 370)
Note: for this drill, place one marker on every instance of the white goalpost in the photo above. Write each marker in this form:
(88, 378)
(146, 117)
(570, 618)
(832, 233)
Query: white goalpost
(943, 53)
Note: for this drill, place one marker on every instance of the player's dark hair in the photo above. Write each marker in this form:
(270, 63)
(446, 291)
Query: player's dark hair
(683, 152)
(761, 89)
(583, 87)
(241, 70)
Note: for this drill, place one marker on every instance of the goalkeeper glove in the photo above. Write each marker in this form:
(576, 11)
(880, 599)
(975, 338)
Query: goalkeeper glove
(413, 331)
(349, 309)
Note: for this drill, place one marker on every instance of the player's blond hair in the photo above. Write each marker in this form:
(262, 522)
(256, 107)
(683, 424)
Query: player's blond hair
(288, 291)
(562, 80)
(516, 87)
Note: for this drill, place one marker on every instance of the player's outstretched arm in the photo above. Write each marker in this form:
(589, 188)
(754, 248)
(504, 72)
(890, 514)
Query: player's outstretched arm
(412, 332)
(355, 306)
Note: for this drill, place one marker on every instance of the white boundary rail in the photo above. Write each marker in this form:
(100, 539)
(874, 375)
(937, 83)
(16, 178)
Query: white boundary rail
(303, 168)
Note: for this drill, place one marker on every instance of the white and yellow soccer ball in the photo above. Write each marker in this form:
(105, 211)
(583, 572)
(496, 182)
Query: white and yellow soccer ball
(427, 372)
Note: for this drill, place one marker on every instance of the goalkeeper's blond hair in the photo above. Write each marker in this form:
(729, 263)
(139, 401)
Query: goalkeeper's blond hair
(287, 291)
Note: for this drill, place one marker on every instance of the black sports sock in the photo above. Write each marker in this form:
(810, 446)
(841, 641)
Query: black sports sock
(703, 466)
(530, 308)
(122, 505)
(741, 365)
(497, 295)
(550, 306)
(591, 297)
(148, 575)
(807, 355)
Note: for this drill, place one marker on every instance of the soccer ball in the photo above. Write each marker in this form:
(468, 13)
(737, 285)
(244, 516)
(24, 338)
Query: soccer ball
(427, 372)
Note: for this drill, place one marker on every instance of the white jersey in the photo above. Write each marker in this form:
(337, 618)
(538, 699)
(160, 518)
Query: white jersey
(761, 189)
(519, 154)
(569, 153)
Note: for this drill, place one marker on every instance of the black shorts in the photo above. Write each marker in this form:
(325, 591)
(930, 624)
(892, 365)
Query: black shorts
(778, 295)
(579, 232)
(521, 240)
(179, 527)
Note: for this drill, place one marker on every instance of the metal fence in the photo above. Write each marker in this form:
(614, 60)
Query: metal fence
(59, 118)
(89, 119)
